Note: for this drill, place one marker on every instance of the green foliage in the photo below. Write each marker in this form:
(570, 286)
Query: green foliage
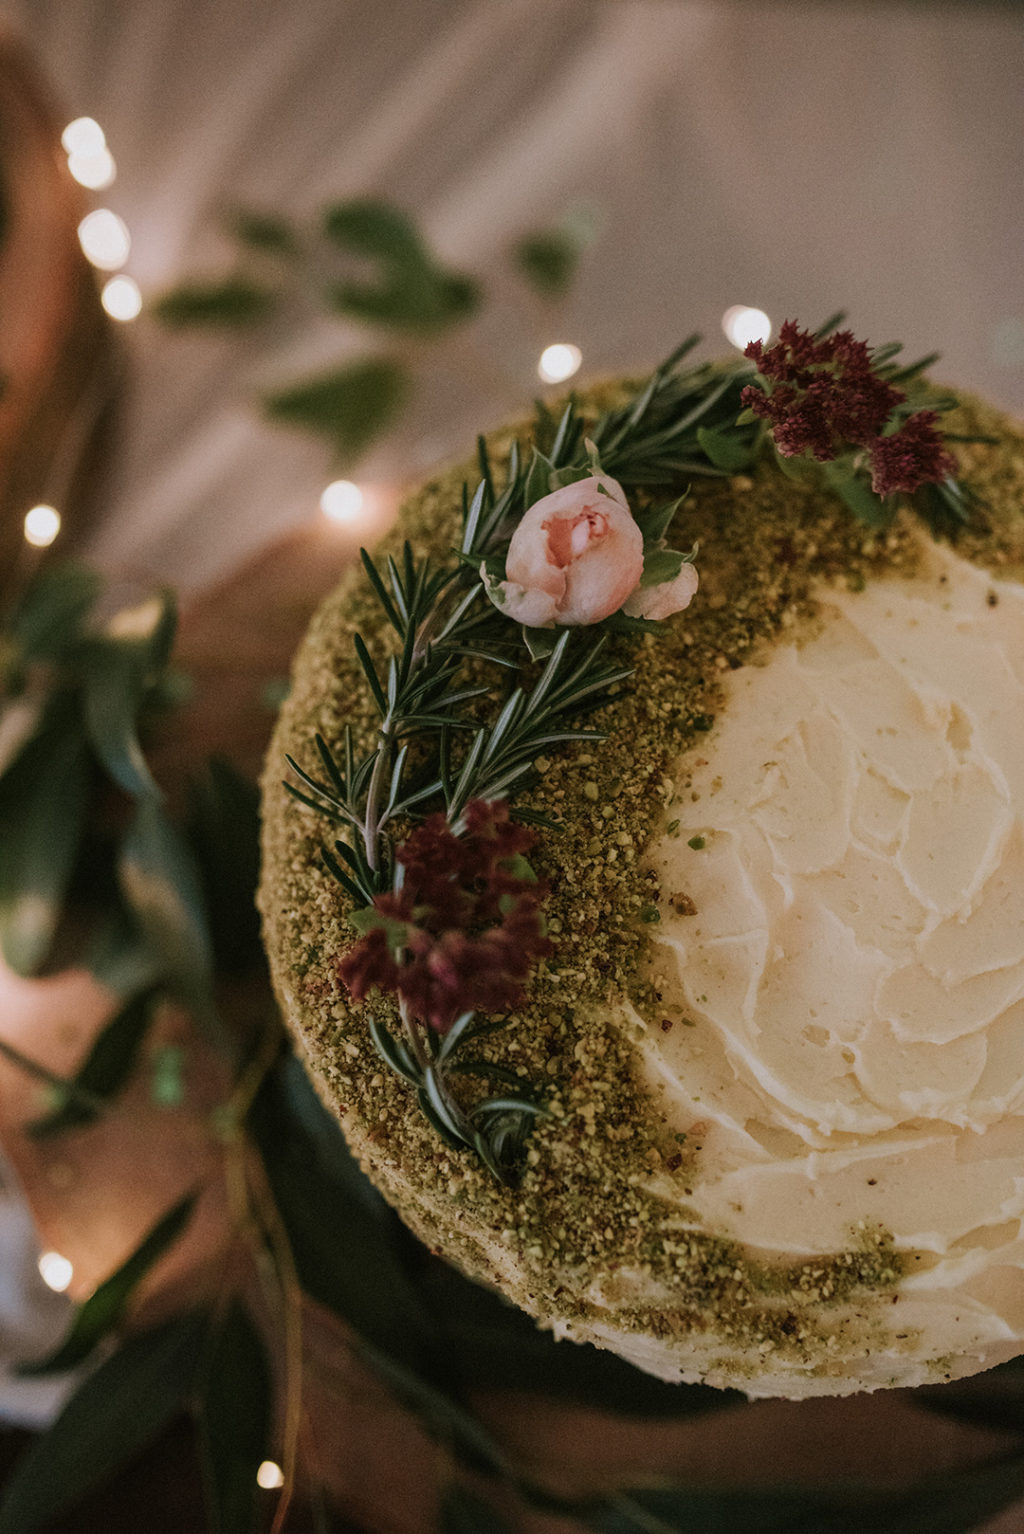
(412, 291)
(223, 830)
(107, 1066)
(50, 618)
(463, 1512)
(106, 1306)
(341, 1232)
(548, 258)
(723, 450)
(161, 884)
(118, 673)
(350, 406)
(43, 801)
(234, 1412)
(121, 1407)
(269, 233)
(230, 303)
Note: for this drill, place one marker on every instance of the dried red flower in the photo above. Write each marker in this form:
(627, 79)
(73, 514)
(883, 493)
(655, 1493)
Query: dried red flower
(826, 393)
(462, 931)
(911, 457)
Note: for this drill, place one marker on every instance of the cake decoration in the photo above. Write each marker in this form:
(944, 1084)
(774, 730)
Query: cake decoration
(448, 912)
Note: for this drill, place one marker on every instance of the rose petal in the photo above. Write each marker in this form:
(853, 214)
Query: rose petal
(581, 547)
(536, 609)
(663, 600)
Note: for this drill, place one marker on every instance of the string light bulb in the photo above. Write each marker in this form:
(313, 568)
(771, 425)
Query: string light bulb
(56, 1271)
(743, 325)
(84, 136)
(95, 171)
(104, 239)
(41, 526)
(269, 1475)
(342, 501)
(559, 362)
(121, 298)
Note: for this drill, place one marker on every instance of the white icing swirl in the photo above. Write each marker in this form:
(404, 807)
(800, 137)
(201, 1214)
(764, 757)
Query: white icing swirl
(847, 1000)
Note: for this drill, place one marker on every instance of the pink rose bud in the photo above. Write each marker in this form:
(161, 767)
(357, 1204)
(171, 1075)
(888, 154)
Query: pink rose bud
(574, 558)
(665, 599)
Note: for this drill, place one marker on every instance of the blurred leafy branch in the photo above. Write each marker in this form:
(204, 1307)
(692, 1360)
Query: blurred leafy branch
(83, 683)
(365, 261)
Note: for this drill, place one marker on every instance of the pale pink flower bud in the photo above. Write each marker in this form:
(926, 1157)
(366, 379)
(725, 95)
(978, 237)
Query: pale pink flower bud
(574, 558)
(665, 599)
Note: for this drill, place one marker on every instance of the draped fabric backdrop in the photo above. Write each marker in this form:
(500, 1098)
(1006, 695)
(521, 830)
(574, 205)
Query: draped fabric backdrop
(795, 156)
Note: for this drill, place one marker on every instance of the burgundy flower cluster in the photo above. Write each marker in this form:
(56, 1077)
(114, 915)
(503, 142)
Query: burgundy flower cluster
(461, 933)
(827, 397)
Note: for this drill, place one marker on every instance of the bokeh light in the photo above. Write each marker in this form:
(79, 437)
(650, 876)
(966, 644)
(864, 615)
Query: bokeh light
(743, 325)
(342, 501)
(559, 362)
(121, 298)
(105, 240)
(56, 1271)
(42, 524)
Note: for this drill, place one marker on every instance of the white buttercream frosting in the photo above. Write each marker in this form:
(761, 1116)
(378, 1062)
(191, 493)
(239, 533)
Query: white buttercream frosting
(846, 1001)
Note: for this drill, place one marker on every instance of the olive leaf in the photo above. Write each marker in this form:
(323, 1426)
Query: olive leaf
(118, 669)
(43, 797)
(105, 1307)
(412, 291)
(106, 1067)
(161, 886)
(269, 233)
(234, 1408)
(229, 303)
(50, 616)
(223, 830)
(119, 1409)
(351, 405)
(548, 258)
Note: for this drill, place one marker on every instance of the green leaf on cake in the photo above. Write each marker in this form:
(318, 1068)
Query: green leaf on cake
(107, 1066)
(105, 1307)
(723, 449)
(230, 304)
(411, 290)
(351, 406)
(120, 1408)
(235, 1398)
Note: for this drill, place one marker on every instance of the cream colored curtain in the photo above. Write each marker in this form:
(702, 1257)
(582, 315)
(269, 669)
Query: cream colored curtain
(800, 157)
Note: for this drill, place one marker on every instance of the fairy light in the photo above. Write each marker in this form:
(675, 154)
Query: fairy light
(95, 171)
(559, 362)
(269, 1475)
(121, 298)
(84, 137)
(56, 1271)
(743, 325)
(104, 239)
(42, 524)
(342, 501)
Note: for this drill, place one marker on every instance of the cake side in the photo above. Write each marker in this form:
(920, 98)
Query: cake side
(590, 1242)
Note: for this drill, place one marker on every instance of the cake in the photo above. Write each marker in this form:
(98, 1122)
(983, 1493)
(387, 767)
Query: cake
(778, 1031)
